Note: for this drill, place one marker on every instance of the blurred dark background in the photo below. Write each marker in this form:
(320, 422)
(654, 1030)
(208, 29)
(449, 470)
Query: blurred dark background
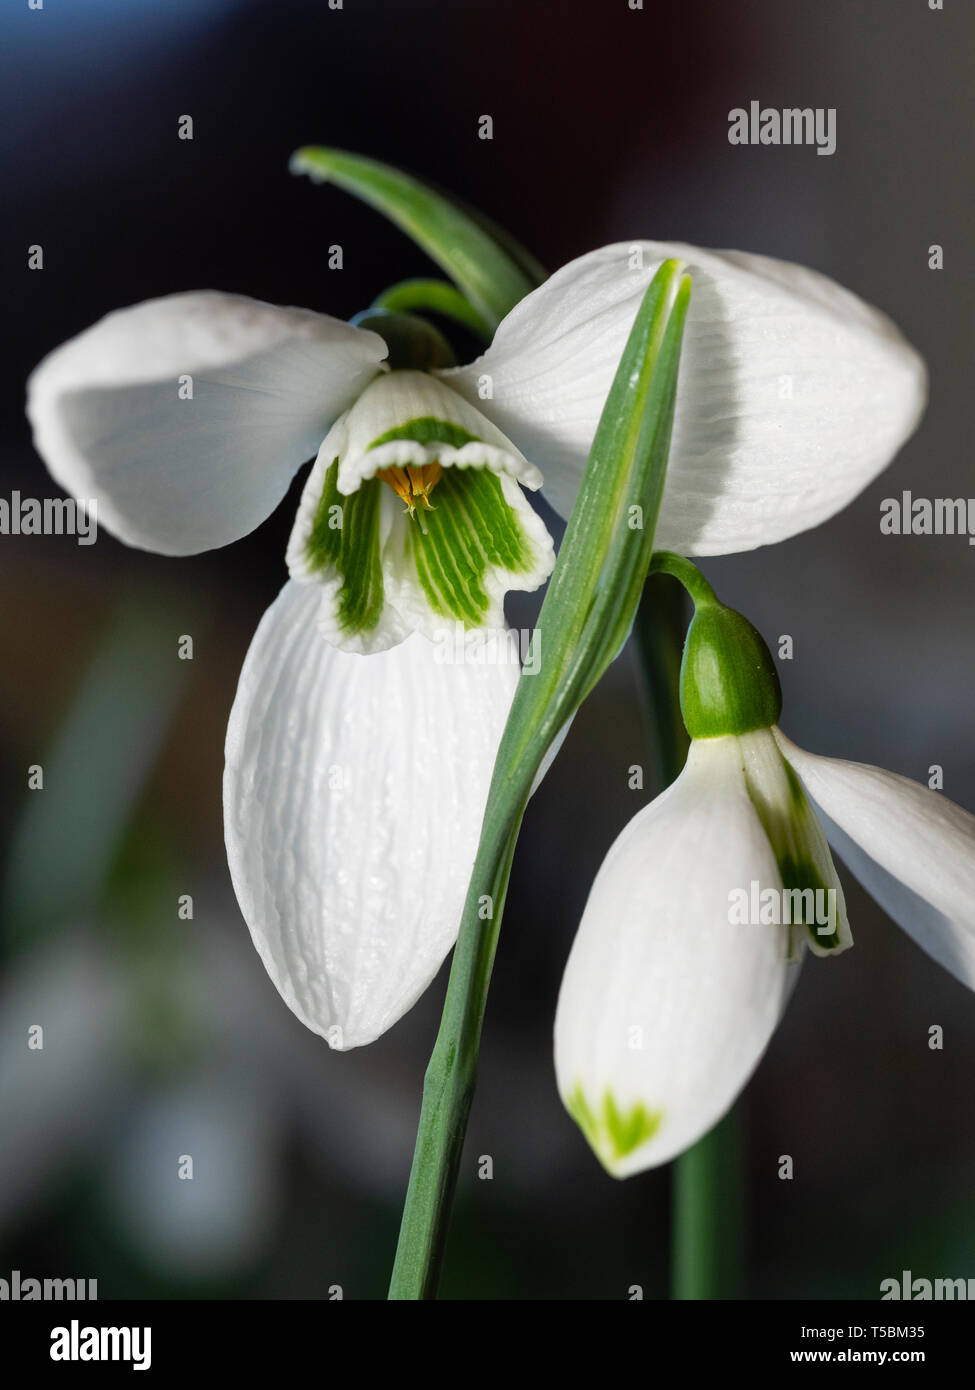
(164, 1037)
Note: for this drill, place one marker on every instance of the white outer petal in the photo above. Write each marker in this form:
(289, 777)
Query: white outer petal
(353, 894)
(180, 476)
(747, 467)
(911, 848)
(656, 951)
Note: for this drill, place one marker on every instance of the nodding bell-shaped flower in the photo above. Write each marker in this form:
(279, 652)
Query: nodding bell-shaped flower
(354, 792)
(691, 940)
(433, 525)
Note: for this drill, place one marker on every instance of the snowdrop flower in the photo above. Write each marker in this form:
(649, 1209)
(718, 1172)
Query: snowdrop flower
(354, 789)
(691, 939)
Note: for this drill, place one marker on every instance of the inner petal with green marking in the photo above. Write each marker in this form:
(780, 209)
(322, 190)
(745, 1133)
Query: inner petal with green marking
(414, 518)
(809, 878)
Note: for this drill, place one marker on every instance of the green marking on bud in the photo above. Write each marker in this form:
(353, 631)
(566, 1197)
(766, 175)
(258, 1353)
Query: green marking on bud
(352, 548)
(614, 1133)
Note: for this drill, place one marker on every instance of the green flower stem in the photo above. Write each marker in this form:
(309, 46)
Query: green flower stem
(686, 572)
(706, 1218)
(588, 609)
(707, 1215)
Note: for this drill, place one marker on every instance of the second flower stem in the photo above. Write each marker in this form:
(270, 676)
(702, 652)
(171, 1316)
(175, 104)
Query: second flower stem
(707, 1215)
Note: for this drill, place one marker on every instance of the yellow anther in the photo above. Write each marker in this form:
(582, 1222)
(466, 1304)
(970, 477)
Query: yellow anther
(413, 484)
